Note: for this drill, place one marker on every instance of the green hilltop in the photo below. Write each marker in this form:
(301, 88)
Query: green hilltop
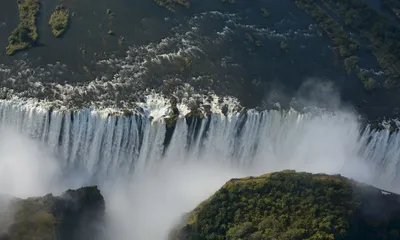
(289, 205)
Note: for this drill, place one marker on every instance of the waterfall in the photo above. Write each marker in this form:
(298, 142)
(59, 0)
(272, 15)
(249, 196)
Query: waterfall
(105, 147)
(149, 184)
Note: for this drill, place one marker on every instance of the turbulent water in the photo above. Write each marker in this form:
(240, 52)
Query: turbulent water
(227, 49)
(147, 189)
(213, 48)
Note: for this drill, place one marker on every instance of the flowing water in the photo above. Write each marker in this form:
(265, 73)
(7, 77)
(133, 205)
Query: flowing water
(147, 189)
(213, 48)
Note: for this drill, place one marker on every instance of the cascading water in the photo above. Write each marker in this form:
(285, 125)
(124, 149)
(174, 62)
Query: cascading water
(147, 187)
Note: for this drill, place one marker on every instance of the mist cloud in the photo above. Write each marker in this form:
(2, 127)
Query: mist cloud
(26, 166)
(147, 205)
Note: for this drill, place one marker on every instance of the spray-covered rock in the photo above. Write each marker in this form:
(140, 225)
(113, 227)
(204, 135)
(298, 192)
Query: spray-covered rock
(173, 115)
(75, 215)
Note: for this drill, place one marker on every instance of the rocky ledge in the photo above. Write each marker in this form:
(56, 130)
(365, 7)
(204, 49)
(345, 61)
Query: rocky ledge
(76, 214)
(289, 205)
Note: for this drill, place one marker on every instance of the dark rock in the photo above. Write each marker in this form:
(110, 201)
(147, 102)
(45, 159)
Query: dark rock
(207, 110)
(173, 101)
(225, 109)
(173, 117)
(170, 122)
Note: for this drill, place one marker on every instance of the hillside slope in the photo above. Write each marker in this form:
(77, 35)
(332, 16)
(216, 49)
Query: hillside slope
(290, 205)
(76, 214)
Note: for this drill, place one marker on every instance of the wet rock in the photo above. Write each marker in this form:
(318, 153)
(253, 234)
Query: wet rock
(172, 118)
(127, 112)
(207, 110)
(225, 109)
(170, 121)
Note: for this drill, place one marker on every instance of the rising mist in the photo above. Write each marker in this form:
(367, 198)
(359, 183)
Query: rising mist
(148, 203)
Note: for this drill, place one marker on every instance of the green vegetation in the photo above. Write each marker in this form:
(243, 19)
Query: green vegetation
(345, 46)
(249, 37)
(351, 63)
(382, 38)
(195, 112)
(25, 34)
(292, 206)
(171, 120)
(253, 39)
(50, 217)
(170, 4)
(369, 83)
(127, 112)
(33, 220)
(265, 12)
(59, 20)
(284, 46)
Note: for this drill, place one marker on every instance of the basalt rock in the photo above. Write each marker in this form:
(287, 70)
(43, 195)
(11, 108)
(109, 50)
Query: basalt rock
(170, 122)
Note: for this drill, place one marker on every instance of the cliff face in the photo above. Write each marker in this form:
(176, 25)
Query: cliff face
(76, 214)
(290, 205)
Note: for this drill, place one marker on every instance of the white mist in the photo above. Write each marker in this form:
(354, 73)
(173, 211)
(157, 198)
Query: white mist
(146, 193)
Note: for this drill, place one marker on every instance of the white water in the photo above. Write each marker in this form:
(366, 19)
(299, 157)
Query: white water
(147, 192)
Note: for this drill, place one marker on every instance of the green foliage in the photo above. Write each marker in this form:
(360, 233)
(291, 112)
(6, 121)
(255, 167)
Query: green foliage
(48, 217)
(284, 46)
(380, 35)
(59, 21)
(25, 34)
(171, 120)
(370, 84)
(265, 12)
(170, 4)
(41, 225)
(351, 63)
(127, 112)
(197, 113)
(340, 39)
(280, 206)
(33, 219)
